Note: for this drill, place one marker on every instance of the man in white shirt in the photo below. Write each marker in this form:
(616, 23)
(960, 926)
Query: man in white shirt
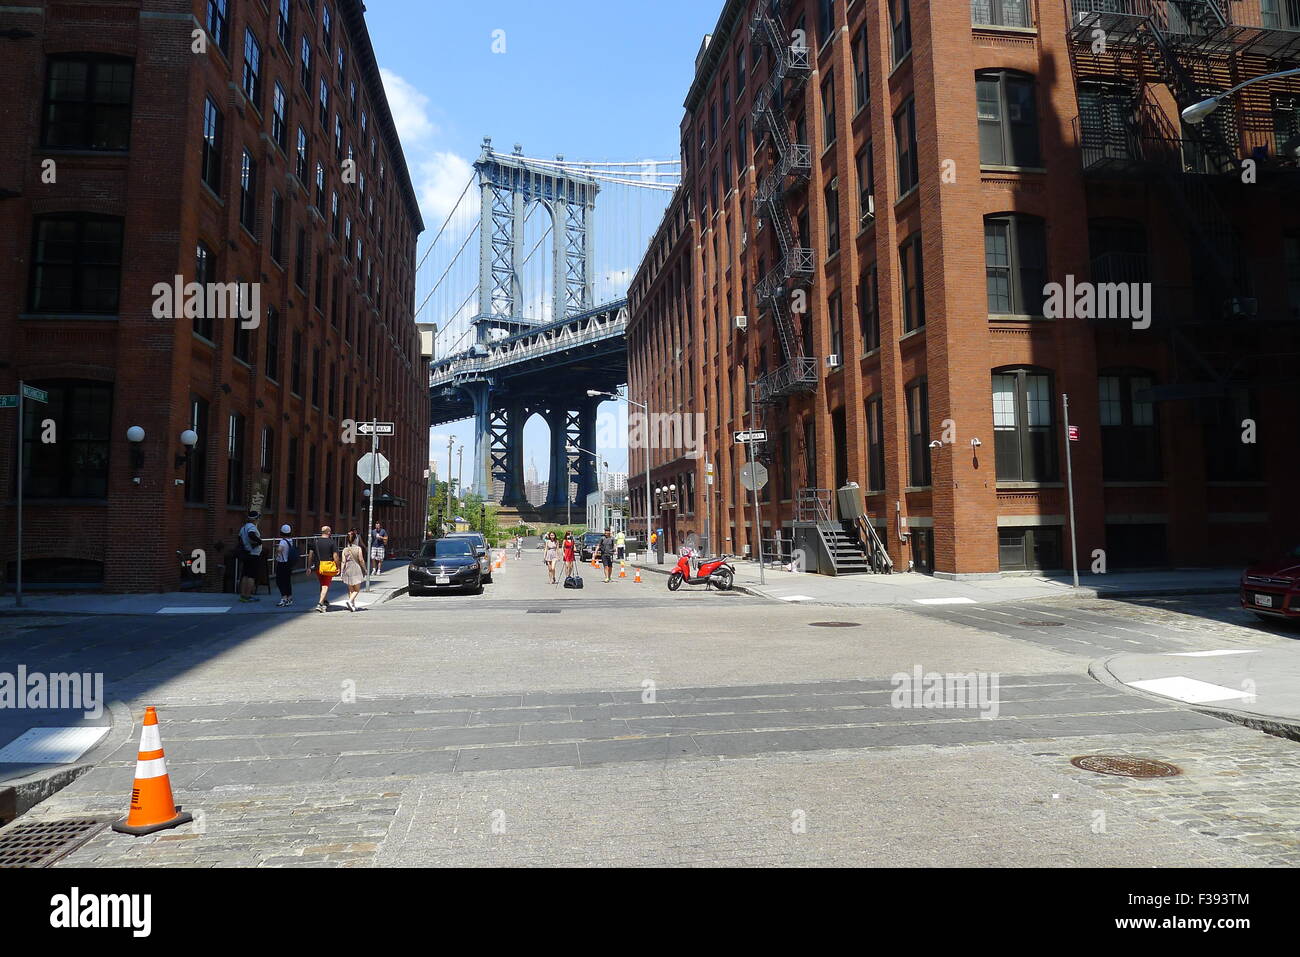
(250, 554)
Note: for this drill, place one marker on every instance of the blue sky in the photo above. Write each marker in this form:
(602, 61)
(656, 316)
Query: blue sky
(596, 81)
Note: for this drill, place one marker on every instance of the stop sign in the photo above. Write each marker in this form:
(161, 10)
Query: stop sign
(372, 468)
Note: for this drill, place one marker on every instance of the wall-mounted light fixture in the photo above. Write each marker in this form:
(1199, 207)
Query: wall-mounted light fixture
(135, 435)
(189, 439)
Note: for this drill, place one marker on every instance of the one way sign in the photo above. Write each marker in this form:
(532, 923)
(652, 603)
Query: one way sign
(753, 435)
(377, 428)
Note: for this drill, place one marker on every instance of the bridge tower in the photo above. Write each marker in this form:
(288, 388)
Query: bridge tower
(510, 187)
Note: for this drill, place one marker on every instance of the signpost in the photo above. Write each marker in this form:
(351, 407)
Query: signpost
(1073, 433)
(372, 469)
(757, 479)
(16, 402)
(750, 437)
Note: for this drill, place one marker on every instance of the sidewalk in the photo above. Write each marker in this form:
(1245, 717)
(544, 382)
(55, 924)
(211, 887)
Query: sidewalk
(305, 592)
(910, 588)
(1257, 688)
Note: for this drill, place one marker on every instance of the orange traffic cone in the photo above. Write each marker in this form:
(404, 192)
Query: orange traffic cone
(622, 569)
(152, 805)
(637, 580)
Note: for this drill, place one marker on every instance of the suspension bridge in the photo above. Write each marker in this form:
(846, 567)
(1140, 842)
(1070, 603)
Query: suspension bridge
(530, 308)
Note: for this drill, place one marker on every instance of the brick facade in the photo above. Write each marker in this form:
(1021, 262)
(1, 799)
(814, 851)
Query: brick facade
(973, 518)
(357, 315)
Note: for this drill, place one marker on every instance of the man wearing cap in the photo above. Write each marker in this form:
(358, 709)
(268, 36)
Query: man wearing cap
(285, 556)
(250, 556)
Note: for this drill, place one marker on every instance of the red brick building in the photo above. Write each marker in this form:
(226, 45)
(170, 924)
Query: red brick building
(922, 173)
(219, 141)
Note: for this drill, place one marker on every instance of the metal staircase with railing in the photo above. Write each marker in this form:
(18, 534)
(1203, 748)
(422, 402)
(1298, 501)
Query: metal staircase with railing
(852, 548)
(790, 168)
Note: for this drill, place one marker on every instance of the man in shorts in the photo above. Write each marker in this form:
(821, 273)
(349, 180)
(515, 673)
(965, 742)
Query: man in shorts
(378, 547)
(605, 547)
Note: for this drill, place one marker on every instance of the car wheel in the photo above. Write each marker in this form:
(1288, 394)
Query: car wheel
(486, 581)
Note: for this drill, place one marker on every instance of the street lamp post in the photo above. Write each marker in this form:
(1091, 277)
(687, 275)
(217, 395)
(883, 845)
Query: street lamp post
(1197, 112)
(646, 409)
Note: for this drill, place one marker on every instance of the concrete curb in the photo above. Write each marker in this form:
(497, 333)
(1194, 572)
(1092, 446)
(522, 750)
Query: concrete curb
(1270, 724)
(19, 796)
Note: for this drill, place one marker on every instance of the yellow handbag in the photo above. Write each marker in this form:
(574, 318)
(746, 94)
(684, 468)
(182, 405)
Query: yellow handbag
(329, 569)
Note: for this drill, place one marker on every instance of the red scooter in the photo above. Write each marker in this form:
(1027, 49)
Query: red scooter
(716, 571)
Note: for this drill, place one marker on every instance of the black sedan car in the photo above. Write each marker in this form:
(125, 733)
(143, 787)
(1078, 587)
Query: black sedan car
(588, 544)
(444, 565)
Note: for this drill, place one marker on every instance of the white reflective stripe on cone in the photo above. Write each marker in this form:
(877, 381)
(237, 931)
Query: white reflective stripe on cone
(157, 768)
(150, 739)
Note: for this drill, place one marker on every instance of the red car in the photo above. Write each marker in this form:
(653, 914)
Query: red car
(1271, 589)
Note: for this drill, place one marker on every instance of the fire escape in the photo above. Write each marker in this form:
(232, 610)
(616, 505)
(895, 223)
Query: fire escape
(1195, 50)
(790, 169)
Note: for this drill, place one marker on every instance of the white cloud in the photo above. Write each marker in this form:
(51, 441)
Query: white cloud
(410, 109)
(440, 180)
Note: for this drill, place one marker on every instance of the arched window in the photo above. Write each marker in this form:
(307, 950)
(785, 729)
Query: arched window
(1130, 442)
(1024, 425)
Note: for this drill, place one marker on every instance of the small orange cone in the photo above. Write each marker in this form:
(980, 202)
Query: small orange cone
(152, 806)
(637, 580)
(622, 569)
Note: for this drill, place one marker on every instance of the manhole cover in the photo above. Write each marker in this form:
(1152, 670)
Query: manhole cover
(41, 843)
(835, 624)
(542, 611)
(1042, 624)
(1125, 767)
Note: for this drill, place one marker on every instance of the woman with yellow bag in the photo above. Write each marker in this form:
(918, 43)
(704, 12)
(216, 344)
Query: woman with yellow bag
(325, 560)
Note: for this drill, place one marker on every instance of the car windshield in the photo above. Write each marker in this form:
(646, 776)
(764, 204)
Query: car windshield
(447, 548)
(591, 538)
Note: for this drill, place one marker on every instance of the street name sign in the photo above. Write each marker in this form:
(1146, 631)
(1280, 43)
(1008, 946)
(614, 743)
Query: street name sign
(36, 395)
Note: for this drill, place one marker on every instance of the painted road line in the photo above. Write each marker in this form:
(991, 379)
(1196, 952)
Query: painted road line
(945, 601)
(1189, 689)
(52, 745)
(795, 597)
(1210, 654)
(183, 610)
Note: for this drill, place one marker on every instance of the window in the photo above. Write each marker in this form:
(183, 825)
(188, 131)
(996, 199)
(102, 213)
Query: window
(212, 123)
(825, 21)
(865, 164)
(300, 261)
(1228, 457)
(1008, 119)
(243, 335)
(327, 27)
(828, 110)
(909, 173)
(291, 476)
(277, 227)
(869, 309)
(1130, 445)
(217, 19)
(338, 138)
(252, 69)
(272, 364)
(875, 444)
(324, 103)
(284, 23)
(320, 187)
(311, 478)
(1286, 122)
(835, 312)
(77, 465)
(329, 483)
(918, 434)
(278, 126)
(303, 162)
(248, 193)
(740, 71)
(1000, 13)
(315, 377)
(87, 103)
(196, 463)
(832, 198)
(205, 272)
(295, 364)
(742, 148)
(76, 264)
(1024, 425)
(266, 463)
(235, 460)
(1035, 548)
(912, 272)
(1015, 264)
(304, 64)
(1118, 248)
(861, 79)
(900, 28)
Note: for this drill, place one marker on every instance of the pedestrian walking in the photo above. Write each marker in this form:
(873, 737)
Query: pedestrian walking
(567, 551)
(605, 548)
(353, 572)
(286, 556)
(325, 563)
(519, 546)
(620, 545)
(249, 553)
(378, 547)
(551, 555)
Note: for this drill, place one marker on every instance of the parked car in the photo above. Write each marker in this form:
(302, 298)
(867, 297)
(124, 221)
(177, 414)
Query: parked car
(1271, 589)
(448, 563)
(481, 549)
(588, 543)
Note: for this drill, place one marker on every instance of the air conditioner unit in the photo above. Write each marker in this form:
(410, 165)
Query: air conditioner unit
(742, 323)
(833, 361)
